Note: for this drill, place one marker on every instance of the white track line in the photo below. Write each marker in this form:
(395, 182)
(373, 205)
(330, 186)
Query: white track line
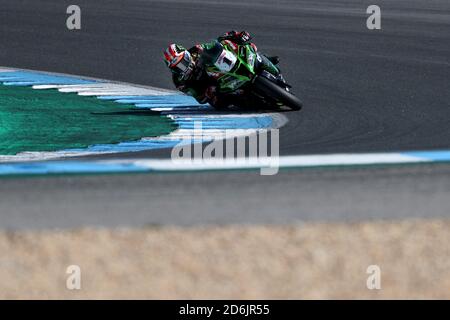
(282, 162)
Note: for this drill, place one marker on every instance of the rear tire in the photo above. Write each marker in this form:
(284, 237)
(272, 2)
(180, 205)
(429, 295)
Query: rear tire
(267, 88)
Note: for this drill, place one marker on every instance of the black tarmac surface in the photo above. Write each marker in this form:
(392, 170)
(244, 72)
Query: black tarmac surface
(363, 90)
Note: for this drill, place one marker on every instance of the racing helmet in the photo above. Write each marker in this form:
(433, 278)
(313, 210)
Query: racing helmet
(179, 60)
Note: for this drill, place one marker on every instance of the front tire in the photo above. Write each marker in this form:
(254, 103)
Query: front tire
(267, 88)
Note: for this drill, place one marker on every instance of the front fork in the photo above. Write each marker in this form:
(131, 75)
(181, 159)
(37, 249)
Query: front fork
(274, 73)
(266, 64)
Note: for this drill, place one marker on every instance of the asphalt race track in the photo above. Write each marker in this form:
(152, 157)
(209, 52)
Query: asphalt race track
(222, 198)
(363, 90)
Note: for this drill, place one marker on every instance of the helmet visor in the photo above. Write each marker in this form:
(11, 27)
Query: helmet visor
(183, 65)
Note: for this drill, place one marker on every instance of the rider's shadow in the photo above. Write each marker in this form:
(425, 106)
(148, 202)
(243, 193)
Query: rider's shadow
(194, 111)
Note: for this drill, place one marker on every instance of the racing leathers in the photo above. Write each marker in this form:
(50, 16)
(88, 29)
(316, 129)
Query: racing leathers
(203, 87)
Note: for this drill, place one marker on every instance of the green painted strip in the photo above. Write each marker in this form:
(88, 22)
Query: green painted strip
(47, 120)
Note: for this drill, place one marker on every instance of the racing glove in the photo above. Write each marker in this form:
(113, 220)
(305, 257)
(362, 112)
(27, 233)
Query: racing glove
(241, 38)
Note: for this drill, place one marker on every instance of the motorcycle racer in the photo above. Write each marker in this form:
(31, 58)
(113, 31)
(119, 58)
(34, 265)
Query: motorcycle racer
(189, 74)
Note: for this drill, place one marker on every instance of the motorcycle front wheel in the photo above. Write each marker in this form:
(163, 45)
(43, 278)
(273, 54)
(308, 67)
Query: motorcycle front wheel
(267, 88)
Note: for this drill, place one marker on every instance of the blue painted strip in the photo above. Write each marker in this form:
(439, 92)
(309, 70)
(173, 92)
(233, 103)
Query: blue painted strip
(170, 97)
(138, 145)
(25, 78)
(172, 106)
(129, 146)
(130, 97)
(101, 166)
(67, 167)
(178, 101)
(227, 123)
(436, 156)
(157, 101)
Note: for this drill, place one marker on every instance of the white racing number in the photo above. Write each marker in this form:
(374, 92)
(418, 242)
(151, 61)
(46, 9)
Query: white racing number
(226, 61)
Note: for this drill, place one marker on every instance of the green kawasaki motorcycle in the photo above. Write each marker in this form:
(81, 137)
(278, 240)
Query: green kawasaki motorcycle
(248, 77)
